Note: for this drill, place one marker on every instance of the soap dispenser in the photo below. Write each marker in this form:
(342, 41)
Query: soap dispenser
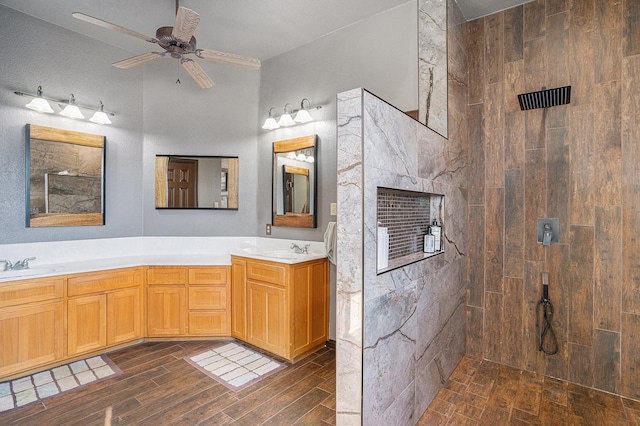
(436, 230)
(429, 242)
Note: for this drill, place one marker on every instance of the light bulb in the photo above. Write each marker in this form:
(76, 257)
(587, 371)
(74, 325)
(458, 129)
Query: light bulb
(286, 120)
(270, 124)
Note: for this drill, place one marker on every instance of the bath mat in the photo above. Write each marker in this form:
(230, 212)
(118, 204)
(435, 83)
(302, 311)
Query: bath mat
(235, 366)
(29, 389)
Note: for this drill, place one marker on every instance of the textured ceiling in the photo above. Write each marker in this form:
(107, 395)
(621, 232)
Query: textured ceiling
(256, 28)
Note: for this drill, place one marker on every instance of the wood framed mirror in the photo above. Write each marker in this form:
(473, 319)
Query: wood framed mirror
(65, 177)
(294, 186)
(196, 182)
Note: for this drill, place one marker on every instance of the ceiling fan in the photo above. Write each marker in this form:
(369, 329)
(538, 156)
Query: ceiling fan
(178, 42)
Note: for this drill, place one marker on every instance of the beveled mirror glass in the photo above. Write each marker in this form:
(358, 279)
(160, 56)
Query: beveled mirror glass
(294, 182)
(65, 177)
(196, 182)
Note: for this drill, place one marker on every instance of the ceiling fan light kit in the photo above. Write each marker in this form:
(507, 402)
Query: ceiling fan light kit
(302, 116)
(69, 107)
(177, 42)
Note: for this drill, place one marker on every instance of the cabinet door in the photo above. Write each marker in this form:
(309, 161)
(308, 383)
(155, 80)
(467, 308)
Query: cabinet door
(266, 317)
(310, 306)
(238, 298)
(87, 323)
(213, 297)
(166, 310)
(31, 336)
(124, 316)
(208, 323)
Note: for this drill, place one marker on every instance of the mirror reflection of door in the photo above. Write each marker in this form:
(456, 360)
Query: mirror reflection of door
(182, 183)
(296, 189)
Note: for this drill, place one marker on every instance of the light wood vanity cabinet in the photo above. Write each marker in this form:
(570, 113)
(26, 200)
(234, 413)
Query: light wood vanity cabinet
(278, 307)
(188, 301)
(31, 324)
(286, 306)
(103, 309)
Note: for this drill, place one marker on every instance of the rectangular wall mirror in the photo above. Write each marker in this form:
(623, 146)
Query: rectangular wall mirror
(295, 182)
(65, 177)
(196, 182)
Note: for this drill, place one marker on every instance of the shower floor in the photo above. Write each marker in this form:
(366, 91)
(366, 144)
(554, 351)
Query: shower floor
(485, 393)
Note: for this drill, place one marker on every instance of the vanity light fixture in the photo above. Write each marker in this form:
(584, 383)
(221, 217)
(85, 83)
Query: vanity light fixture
(285, 119)
(70, 109)
(270, 123)
(39, 103)
(100, 117)
(301, 116)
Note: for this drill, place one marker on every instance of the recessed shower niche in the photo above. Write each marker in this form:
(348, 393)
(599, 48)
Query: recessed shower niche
(410, 227)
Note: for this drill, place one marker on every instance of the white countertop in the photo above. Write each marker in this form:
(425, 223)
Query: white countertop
(71, 257)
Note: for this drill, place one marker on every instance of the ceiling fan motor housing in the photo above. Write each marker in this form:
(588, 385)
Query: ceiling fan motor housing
(175, 47)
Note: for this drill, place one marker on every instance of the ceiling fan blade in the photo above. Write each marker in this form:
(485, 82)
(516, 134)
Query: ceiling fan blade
(110, 26)
(229, 58)
(185, 25)
(137, 60)
(197, 73)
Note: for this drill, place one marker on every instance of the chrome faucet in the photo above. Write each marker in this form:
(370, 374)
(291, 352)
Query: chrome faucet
(299, 250)
(19, 265)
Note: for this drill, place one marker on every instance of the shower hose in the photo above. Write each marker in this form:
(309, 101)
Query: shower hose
(548, 342)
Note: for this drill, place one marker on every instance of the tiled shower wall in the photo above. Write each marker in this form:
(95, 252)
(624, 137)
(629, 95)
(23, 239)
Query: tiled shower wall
(400, 334)
(579, 163)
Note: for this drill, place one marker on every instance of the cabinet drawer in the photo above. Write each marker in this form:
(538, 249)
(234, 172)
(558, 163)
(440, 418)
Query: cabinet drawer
(103, 281)
(209, 323)
(266, 272)
(167, 276)
(204, 276)
(22, 292)
(208, 297)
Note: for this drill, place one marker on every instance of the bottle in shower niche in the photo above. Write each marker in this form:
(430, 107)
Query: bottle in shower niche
(429, 242)
(436, 231)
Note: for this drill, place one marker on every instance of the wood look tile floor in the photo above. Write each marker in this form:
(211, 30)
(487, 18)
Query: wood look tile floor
(485, 393)
(158, 387)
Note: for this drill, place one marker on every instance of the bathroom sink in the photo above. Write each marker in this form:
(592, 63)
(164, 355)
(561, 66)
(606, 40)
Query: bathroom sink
(282, 254)
(25, 272)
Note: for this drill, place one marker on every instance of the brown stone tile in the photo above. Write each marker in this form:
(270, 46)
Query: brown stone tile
(441, 406)
(630, 361)
(494, 47)
(513, 34)
(468, 410)
(631, 28)
(455, 386)
(298, 408)
(563, 177)
(494, 416)
(475, 62)
(481, 390)
(528, 397)
(551, 413)
(631, 404)
(608, 150)
(503, 394)
(458, 419)
(432, 418)
(535, 180)
(581, 319)
(449, 396)
(528, 418)
(475, 400)
(514, 235)
(534, 19)
(493, 320)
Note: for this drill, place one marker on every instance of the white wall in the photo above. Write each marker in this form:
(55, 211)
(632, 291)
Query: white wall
(379, 54)
(187, 120)
(38, 53)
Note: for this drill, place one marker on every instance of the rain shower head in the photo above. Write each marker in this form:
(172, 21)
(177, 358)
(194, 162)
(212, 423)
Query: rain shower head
(545, 98)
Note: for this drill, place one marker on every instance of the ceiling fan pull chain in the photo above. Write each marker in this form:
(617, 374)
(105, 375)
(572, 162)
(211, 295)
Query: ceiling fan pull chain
(178, 80)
